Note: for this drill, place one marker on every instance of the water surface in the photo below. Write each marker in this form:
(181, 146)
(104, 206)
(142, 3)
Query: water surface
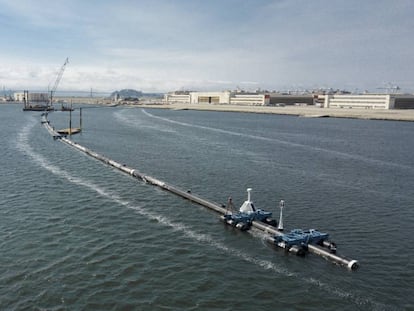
(77, 234)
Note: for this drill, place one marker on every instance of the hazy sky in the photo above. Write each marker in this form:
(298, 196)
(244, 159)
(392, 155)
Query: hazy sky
(207, 44)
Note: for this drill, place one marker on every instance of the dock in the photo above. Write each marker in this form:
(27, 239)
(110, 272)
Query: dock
(267, 229)
(69, 131)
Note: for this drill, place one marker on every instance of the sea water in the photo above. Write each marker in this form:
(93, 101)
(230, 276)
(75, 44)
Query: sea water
(76, 234)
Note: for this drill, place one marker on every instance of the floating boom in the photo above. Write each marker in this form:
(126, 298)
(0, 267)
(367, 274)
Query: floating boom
(275, 236)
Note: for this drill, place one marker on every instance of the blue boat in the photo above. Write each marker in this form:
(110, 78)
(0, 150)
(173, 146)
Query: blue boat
(298, 240)
(247, 213)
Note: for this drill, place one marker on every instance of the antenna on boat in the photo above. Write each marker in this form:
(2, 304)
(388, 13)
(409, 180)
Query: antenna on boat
(70, 120)
(229, 206)
(281, 205)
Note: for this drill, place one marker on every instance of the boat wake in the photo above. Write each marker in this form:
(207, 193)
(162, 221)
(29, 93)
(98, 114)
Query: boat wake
(288, 143)
(139, 124)
(23, 145)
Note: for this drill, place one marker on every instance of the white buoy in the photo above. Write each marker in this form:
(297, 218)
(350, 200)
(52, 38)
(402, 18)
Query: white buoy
(282, 205)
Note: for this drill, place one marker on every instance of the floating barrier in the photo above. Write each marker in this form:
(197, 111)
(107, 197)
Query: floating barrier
(297, 241)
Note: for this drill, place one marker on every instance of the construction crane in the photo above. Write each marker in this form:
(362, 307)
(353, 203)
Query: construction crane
(390, 88)
(58, 77)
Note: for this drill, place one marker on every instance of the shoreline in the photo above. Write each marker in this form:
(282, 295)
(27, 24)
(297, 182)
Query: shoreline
(300, 111)
(406, 115)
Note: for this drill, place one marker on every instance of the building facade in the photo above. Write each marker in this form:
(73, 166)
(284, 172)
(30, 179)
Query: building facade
(362, 101)
(225, 97)
(210, 97)
(33, 97)
(177, 98)
(368, 101)
(250, 99)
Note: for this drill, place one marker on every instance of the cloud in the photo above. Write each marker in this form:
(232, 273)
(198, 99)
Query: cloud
(159, 45)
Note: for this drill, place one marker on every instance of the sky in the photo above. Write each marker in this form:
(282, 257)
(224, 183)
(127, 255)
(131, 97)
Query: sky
(207, 45)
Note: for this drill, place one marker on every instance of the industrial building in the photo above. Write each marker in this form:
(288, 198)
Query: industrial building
(362, 101)
(179, 97)
(33, 97)
(277, 99)
(210, 97)
(225, 97)
(370, 101)
(250, 99)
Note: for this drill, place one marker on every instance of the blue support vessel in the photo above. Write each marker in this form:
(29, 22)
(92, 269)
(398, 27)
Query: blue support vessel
(246, 215)
(298, 240)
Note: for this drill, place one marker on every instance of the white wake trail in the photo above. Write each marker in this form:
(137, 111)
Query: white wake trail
(288, 143)
(24, 146)
(128, 120)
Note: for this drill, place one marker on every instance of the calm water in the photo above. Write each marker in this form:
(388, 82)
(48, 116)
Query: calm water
(77, 235)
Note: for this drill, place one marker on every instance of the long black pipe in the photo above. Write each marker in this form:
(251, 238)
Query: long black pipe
(350, 264)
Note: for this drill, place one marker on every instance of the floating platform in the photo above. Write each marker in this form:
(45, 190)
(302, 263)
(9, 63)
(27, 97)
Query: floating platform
(69, 131)
(38, 108)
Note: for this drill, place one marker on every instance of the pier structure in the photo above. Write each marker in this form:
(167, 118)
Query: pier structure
(267, 229)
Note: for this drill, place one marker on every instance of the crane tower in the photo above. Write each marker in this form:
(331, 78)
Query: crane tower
(58, 77)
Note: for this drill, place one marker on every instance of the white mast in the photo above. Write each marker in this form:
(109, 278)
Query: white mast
(282, 205)
(248, 206)
(248, 194)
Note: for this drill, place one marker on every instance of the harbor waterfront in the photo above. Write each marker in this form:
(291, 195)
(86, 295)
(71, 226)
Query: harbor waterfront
(77, 234)
(310, 111)
(302, 111)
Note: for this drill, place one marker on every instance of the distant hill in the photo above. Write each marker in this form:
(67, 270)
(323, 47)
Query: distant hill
(126, 93)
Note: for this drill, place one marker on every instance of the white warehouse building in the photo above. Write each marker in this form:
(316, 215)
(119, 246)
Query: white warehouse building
(33, 97)
(361, 101)
(210, 97)
(225, 97)
(177, 98)
(370, 101)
